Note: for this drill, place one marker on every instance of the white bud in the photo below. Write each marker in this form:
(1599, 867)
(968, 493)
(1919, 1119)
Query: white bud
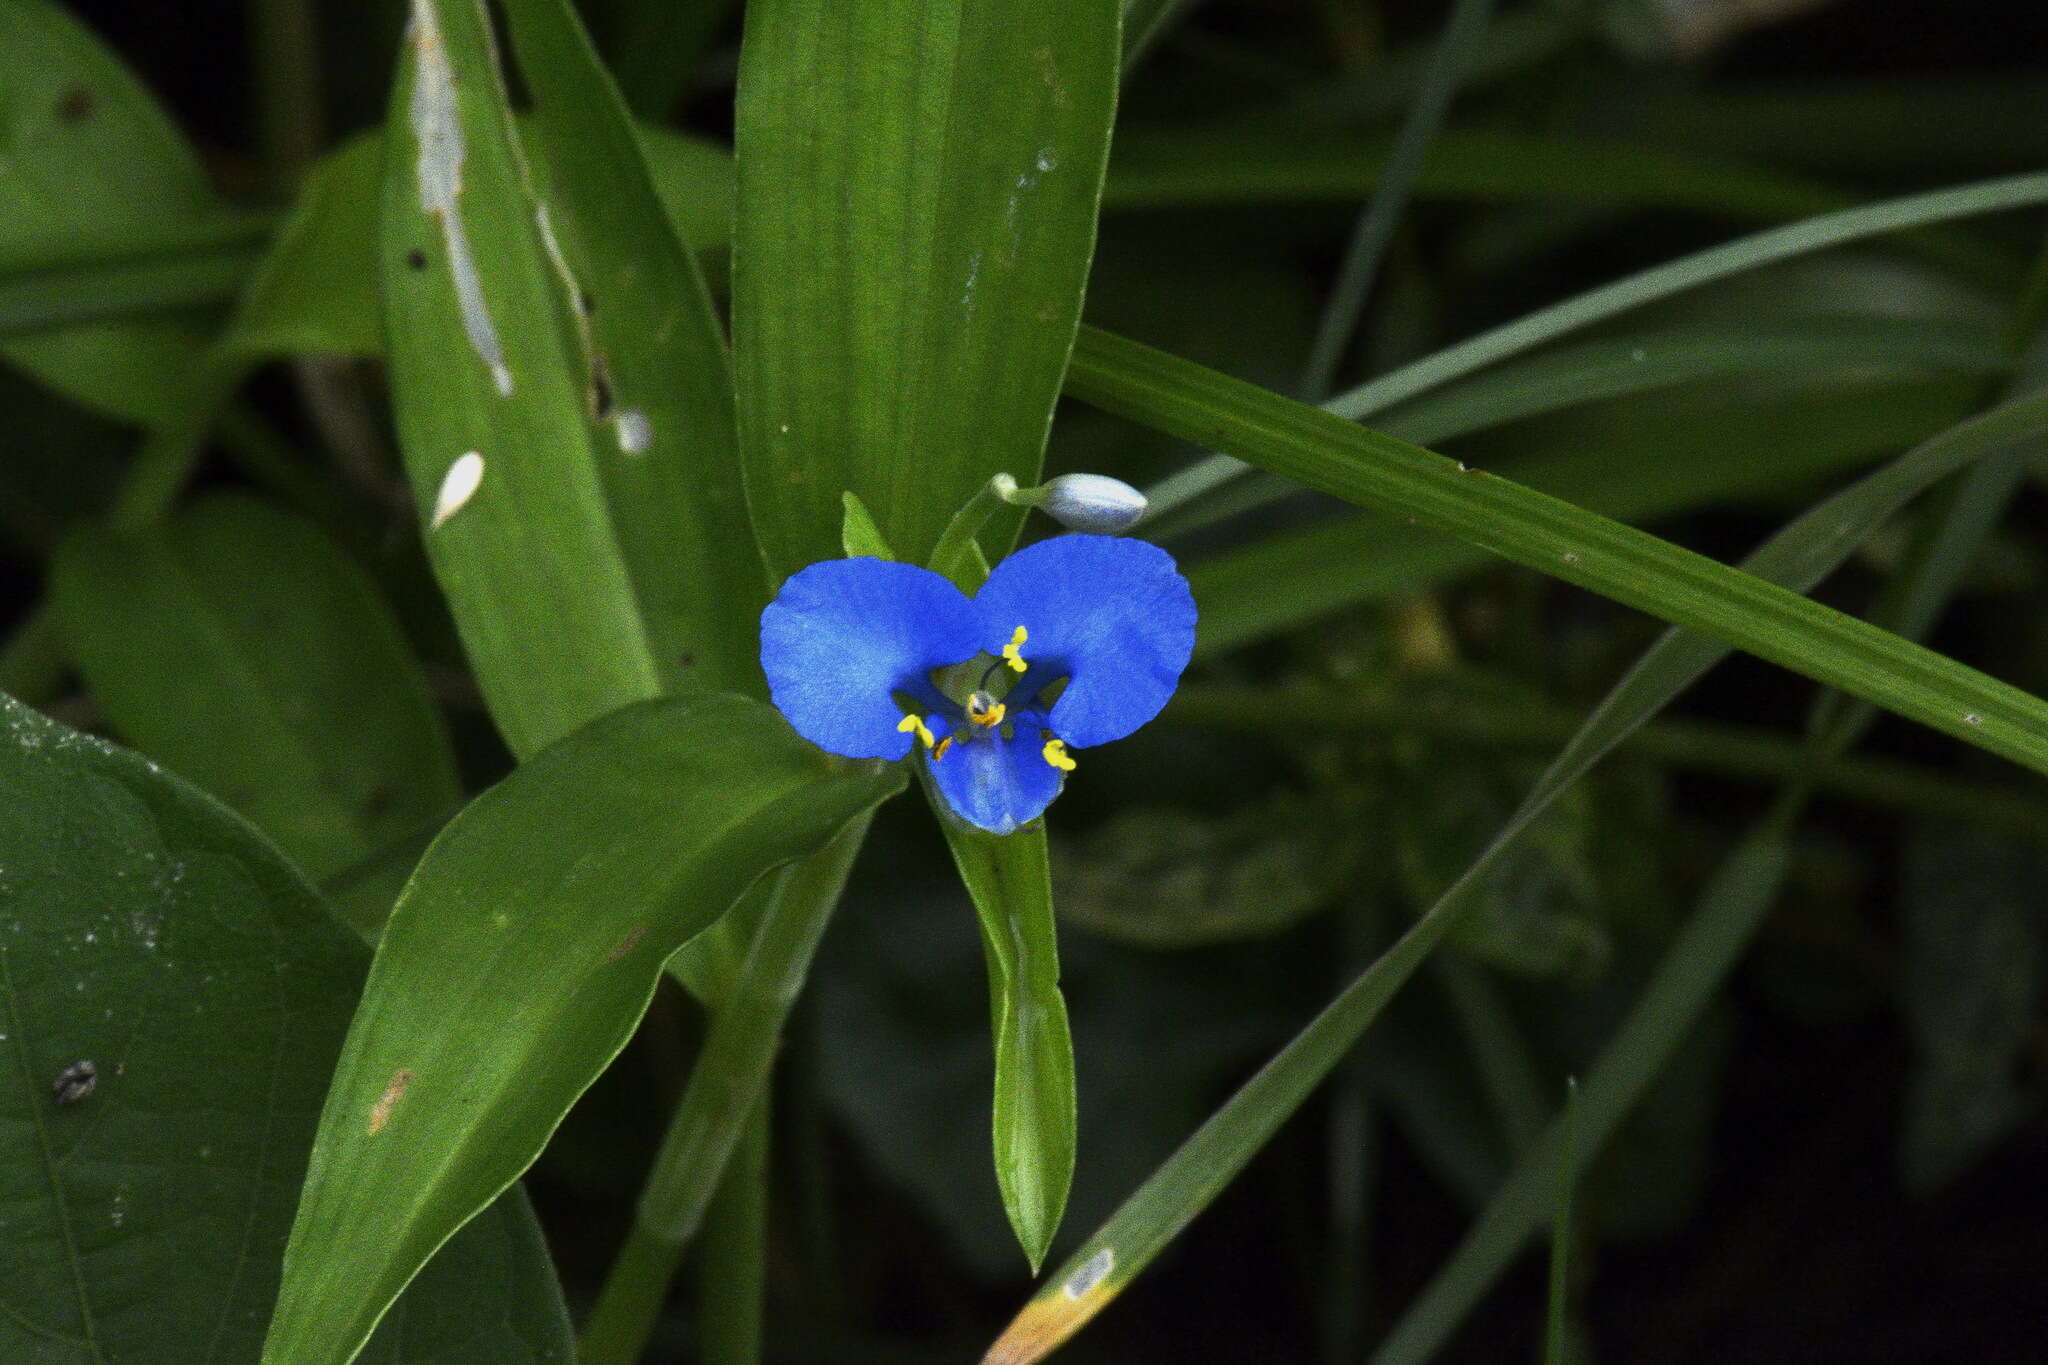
(1093, 502)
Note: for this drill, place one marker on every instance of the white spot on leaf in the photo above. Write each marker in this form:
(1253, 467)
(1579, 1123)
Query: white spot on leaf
(458, 486)
(437, 126)
(1093, 1271)
(636, 433)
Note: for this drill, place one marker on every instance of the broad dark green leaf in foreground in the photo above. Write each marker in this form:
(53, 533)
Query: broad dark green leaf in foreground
(515, 966)
(144, 929)
(238, 645)
(1799, 556)
(917, 194)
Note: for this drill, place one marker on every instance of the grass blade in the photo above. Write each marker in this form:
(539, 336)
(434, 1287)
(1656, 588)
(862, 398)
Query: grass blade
(1798, 556)
(1326, 452)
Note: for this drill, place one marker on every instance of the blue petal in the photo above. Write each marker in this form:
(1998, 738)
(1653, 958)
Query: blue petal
(844, 634)
(996, 783)
(1113, 615)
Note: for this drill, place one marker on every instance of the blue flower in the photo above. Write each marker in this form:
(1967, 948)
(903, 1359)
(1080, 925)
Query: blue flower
(1072, 642)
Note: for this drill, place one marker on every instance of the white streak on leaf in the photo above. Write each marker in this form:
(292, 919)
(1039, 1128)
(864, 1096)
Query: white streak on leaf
(1092, 1272)
(437, 126)
(636, 433)
(458, 486)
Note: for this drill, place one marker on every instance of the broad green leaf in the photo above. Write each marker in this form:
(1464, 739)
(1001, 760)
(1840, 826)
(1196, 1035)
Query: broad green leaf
(147, 930)
(239, 646)
(518, 962)
(1324, 451)
(1033, 1120)
(1800, 555)
(494, 398)
(88, 151)
(917, 196)
(655, 364)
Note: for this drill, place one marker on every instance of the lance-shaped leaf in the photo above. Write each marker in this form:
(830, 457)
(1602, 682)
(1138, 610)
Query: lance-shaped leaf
(1033, 1120)
(515, 966)
(239, 646)
(493, 399)
(917, 193)
(654, 363)
(183, 981)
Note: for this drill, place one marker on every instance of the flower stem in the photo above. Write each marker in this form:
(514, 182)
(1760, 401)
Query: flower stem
(724, 1090)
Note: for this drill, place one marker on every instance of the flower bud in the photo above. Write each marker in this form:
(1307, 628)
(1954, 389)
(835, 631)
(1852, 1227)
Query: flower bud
(1092, 502)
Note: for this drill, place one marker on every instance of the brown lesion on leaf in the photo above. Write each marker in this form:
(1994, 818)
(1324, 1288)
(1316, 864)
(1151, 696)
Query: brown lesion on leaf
(1057, 1313)
(380, 1112)
(627, 944)
(75, 105)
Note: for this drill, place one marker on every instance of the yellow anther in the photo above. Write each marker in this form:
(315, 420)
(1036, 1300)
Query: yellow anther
(1055, 752)
(915, 723)
(944, 745)
(1010, 654)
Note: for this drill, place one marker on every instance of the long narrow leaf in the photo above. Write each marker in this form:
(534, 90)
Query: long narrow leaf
(1798, 556)
(1324, 451)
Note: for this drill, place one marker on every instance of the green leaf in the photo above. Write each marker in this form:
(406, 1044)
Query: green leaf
(147, 930)
(236, 644)
(1802, 553)
(1010, 881)
(917, 195)
(516, 965)
(1324, 451)
(654, 362)
(495, 406)
(1635, 462)
(316, 289)
(858, 534)
(88, 151)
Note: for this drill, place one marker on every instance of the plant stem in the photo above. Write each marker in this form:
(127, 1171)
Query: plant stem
(729, 1078)
(732, 1281)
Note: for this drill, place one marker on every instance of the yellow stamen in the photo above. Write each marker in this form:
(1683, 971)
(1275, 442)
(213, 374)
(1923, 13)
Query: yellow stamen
(986, 714)
(1010, 654)
(944, 745)
(915, 723)
(1055, 752)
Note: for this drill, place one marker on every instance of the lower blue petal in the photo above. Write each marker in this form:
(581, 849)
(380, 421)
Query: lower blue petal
(1113, 616)
(845, 634)
(997, 784)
